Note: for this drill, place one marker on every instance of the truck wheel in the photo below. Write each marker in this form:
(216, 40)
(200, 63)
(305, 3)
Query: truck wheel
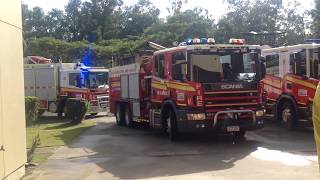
(288, 115)
(62, 107)
(171, 126)
(128, 116)
(119, 115)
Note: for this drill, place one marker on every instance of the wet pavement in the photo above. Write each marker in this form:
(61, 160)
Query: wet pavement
(108, 151)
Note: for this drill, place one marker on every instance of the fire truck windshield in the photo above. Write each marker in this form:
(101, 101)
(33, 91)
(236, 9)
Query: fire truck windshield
(226, 66)
(96, 79)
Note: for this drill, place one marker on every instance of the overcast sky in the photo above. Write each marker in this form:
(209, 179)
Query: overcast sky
(215, 7)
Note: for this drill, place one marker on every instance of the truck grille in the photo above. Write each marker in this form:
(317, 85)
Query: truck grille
(231, 99)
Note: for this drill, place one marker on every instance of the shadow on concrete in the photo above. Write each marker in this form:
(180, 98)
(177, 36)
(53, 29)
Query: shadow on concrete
(109, 151)
(141, 153)
(275, 136)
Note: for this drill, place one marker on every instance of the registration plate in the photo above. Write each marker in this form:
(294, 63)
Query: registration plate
(233, 128)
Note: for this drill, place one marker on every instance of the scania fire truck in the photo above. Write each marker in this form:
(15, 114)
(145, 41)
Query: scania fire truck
(54, 83)
(198, 86)
(292, 74)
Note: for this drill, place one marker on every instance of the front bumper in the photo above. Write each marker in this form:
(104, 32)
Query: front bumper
(93, 109)
(101, 104)
(217, 125)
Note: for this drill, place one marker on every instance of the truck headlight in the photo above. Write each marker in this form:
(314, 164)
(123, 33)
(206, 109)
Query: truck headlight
(260, 113)
(196, 117)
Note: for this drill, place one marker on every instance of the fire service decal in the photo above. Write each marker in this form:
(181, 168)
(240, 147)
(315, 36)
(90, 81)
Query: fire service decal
(231, 86)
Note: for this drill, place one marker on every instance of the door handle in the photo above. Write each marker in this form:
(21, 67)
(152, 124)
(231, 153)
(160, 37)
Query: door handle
(2, 148)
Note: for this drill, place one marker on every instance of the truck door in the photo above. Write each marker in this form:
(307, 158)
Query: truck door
(314, 62)
(159, 87)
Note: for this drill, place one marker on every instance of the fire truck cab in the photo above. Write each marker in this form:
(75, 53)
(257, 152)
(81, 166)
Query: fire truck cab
(54, 83)
(292, 74)
(198, 86)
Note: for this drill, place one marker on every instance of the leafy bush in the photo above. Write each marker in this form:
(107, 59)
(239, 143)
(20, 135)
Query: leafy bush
(32, 105)
(76, 109)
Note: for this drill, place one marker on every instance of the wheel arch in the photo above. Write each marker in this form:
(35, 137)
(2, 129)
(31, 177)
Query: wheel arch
(285, 98)
(167, 104)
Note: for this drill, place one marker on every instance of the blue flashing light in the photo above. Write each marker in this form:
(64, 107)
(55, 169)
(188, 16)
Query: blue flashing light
(312, 41)
(88, 56)
(84, 68)
(189, 41)
(203, 41)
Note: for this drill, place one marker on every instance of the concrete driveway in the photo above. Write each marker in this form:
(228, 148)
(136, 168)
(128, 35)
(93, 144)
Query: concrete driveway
(110, 152)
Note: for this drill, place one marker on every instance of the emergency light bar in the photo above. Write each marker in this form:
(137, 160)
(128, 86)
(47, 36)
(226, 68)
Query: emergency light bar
(200, 41)
(196, 41)
(237, 41)
(312, 41)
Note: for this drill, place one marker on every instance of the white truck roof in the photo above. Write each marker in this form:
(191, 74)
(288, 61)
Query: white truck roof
(290, 48)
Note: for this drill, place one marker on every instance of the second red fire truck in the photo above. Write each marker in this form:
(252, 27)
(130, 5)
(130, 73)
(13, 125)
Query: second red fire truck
(198, 86)
(291, 80)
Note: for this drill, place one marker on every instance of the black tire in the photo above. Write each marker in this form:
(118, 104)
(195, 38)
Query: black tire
(240, 134)
(170, 124)
(288, 116)
(128, 116)
(61, 108)
(119, 115)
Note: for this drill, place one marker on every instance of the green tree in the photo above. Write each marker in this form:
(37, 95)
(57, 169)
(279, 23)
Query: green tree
(56, 24)
(136, 18)
(97, 19)
(26, 19)
(267, 17)
(73, 17)
(293, 24)
(315, 13)
(181, 26)
(176, 6)
(34, 22)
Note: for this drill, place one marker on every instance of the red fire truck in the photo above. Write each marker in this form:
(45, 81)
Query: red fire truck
(198, 86)
(53, 83)
(292, 74)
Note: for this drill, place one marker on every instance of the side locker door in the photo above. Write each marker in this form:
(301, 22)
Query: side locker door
(134, 93)
(29, 81)
(45, 83)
